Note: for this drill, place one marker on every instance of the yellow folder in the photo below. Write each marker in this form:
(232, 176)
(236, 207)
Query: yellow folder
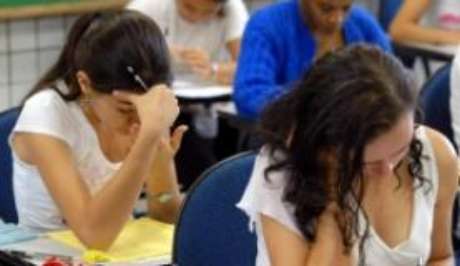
(141, 239)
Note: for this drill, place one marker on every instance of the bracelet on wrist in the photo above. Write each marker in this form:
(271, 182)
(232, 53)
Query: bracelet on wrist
(162, 197)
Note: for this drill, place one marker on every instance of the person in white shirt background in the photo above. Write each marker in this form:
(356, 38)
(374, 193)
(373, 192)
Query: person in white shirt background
(204, 35)
(204, 40)
(94, 131)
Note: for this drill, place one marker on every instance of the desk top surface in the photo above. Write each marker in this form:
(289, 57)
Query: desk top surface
(45, 245)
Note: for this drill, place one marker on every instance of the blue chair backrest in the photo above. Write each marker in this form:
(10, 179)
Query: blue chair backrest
(387, 11)
(434, 99)
(211, 230)
(7, 207)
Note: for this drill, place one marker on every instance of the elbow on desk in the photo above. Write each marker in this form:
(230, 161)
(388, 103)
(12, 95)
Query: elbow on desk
(165, 212)
(95, 238)
(397, 32)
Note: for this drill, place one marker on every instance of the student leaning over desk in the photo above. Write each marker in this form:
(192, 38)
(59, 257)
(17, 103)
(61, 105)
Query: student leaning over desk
(95, 129)
(200, 33)
(347, 177)
(282, 41)
(204, 39)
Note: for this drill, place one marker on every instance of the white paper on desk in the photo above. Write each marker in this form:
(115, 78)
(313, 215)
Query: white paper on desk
(184, 89)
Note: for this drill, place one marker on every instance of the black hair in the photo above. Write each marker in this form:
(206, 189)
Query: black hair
(103, 45)
(347, 99)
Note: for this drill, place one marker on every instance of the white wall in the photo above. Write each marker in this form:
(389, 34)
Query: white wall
(27, 48)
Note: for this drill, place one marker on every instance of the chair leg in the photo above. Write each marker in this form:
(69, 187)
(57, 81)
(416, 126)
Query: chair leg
(426, 67)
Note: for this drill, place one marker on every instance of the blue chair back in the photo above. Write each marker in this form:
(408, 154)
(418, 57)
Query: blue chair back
(434, 99)
(387, 11)
(211, 230)
(7, 207)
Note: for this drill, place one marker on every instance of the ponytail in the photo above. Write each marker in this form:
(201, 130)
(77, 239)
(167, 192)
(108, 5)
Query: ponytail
(64, 68)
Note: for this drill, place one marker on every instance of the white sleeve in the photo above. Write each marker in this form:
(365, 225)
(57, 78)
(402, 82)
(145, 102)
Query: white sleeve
(265, 196)
(236, 17)
(455, 97)
(155, 9)
(47, 113)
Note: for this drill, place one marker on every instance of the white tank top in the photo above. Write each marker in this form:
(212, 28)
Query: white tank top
(261, 197)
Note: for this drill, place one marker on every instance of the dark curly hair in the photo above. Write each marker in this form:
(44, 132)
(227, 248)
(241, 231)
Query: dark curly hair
(346, 100)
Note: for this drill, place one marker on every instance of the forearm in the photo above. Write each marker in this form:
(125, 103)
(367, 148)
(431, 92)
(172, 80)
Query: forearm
(450, 261)
(328, 249)
(110, 208)
(163, 194)
(416, 33)
(328, 253)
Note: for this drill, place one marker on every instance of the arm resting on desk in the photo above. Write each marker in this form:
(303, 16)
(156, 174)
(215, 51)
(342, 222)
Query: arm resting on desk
(405, 26)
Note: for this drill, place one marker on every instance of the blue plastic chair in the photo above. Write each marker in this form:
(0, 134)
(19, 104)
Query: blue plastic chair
(211, 230)
(7, 206)
(434, 99)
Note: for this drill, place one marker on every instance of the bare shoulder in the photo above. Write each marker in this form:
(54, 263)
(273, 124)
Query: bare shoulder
(443, 149)
(446, 159)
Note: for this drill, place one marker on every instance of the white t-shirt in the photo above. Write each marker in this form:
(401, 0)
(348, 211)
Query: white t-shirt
(211, 36)
(444, 14)
(47, 113)
(262, 197)
(454, 101)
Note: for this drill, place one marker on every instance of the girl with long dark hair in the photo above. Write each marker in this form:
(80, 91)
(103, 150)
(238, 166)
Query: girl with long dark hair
(95, 129)
(347, 176)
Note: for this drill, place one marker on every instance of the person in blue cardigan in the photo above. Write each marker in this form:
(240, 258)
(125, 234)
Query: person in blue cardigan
(282, 40)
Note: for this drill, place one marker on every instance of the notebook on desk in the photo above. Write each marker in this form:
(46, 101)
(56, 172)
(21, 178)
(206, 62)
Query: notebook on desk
(140, 240)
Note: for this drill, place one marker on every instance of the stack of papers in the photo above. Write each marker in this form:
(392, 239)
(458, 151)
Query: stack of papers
(140, 240)
(190, 90)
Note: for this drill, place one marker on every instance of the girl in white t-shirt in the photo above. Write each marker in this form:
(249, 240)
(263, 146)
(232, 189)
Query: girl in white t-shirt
(199, 32)
(427, 21)
(95, 129)
(346, 176)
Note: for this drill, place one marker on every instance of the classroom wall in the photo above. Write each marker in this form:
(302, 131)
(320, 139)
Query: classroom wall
(27, 48)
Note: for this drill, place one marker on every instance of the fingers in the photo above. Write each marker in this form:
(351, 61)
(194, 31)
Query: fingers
(193, 53)
(204, 72)
(176, 138)
(195, 57)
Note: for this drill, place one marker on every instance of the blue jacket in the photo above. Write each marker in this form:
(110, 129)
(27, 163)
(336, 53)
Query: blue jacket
(277, 47)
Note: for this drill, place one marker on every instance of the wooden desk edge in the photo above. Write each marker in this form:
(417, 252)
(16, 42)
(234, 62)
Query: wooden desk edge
(36, 11)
